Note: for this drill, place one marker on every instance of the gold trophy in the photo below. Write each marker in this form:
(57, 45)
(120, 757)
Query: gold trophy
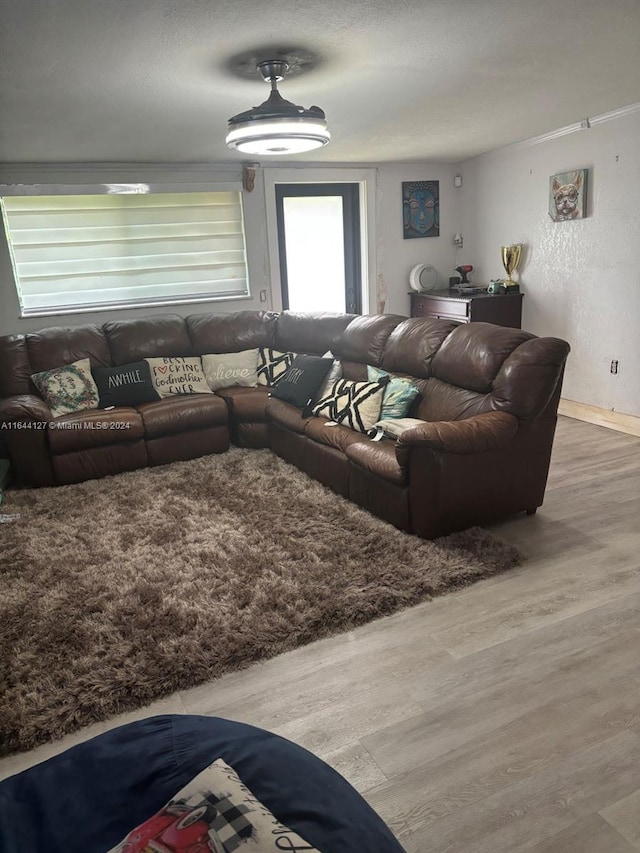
(510, 261)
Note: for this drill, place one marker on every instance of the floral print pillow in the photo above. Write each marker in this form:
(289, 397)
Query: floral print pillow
(68, 389)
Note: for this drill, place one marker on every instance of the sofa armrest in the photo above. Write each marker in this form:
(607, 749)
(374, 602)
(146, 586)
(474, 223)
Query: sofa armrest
(24, 407)
(478, 434)
(24, 424)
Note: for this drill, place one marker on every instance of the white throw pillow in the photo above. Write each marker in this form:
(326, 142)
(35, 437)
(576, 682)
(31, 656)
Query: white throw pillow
(335, 373)
(171, 376)
(394, 427)
(225, 370)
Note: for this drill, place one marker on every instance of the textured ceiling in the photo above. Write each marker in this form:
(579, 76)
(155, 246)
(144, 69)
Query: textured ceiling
(148, 80)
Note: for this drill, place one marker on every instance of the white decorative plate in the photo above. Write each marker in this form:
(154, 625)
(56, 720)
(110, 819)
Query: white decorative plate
(423, 278)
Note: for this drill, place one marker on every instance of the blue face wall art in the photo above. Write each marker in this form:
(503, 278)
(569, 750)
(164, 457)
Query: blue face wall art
(421, 208)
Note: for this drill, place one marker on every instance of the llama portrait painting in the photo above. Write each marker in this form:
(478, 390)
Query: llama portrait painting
(568, 195)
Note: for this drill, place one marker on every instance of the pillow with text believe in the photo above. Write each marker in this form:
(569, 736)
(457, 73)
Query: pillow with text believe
(225, 370)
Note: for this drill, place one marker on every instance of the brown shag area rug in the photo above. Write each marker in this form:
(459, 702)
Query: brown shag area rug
(119, 591)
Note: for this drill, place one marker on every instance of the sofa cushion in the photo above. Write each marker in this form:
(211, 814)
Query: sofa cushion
(246, 404)
(331, 434)
(300, 383)
(171, 376)
(365, 337)
(354, 404)
(286, 415)
(226, 370)
(272, 364)
(413, 344)
(181, 413)
(378, 457)
(354, 370)
(239, 330)
(68, 389)
(55, 346)
(132, 340)
(309, 333)
(95, 428)
(125, 385)
(472, 355)
(398, 395)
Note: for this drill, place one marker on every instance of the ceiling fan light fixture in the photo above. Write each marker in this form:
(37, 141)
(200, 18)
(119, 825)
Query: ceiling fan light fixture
(277, 126)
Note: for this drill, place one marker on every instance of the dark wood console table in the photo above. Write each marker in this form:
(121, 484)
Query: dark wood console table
(503, 309)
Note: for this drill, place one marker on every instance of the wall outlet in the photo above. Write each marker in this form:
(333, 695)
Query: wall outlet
(263, 296)
(614, 366)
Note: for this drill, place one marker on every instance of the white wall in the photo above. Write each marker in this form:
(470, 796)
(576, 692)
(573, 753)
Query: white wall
(581, 279)
(395, 255)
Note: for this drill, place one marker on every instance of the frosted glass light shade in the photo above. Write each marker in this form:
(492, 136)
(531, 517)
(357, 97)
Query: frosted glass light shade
(278, 136)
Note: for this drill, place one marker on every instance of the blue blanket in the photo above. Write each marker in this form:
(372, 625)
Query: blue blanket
(86, 799)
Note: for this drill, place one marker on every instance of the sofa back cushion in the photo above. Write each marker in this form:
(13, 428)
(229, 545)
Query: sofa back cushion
(364, 339)
(58, 346)
(471, 357)
(222, 333)
(132, 340)
(481, 367)
(413, 344)
(309, 333)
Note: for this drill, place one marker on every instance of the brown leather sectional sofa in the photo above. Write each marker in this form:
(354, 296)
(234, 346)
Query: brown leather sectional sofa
(489, 397)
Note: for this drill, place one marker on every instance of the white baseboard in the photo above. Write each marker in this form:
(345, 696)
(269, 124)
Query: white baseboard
(601, 417)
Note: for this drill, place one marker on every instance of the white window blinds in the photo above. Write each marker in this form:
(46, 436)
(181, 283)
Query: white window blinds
(81, 252)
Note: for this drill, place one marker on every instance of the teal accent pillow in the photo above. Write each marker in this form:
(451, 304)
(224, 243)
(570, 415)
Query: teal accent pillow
(398, 396)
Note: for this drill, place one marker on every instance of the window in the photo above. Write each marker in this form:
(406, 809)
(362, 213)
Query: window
(76, 253)
(320, 222)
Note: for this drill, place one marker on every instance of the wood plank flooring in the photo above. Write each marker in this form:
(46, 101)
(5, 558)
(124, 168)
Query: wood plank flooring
(499, 719)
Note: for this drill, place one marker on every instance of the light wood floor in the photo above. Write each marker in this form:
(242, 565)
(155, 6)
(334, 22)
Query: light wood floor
(499, 719)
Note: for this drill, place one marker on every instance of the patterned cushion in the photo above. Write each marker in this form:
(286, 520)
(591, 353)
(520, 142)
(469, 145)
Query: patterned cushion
(399, 395)
(214, 812)
(178, 376)
(230, 370)
(68, 389)
(272, 364)
(353, 404)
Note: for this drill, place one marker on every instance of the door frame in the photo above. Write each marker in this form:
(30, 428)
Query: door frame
(366, 179)
(350, 195)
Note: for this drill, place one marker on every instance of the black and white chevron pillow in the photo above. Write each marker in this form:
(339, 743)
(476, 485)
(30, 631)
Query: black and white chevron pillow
(272, 365)
(356, 405)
